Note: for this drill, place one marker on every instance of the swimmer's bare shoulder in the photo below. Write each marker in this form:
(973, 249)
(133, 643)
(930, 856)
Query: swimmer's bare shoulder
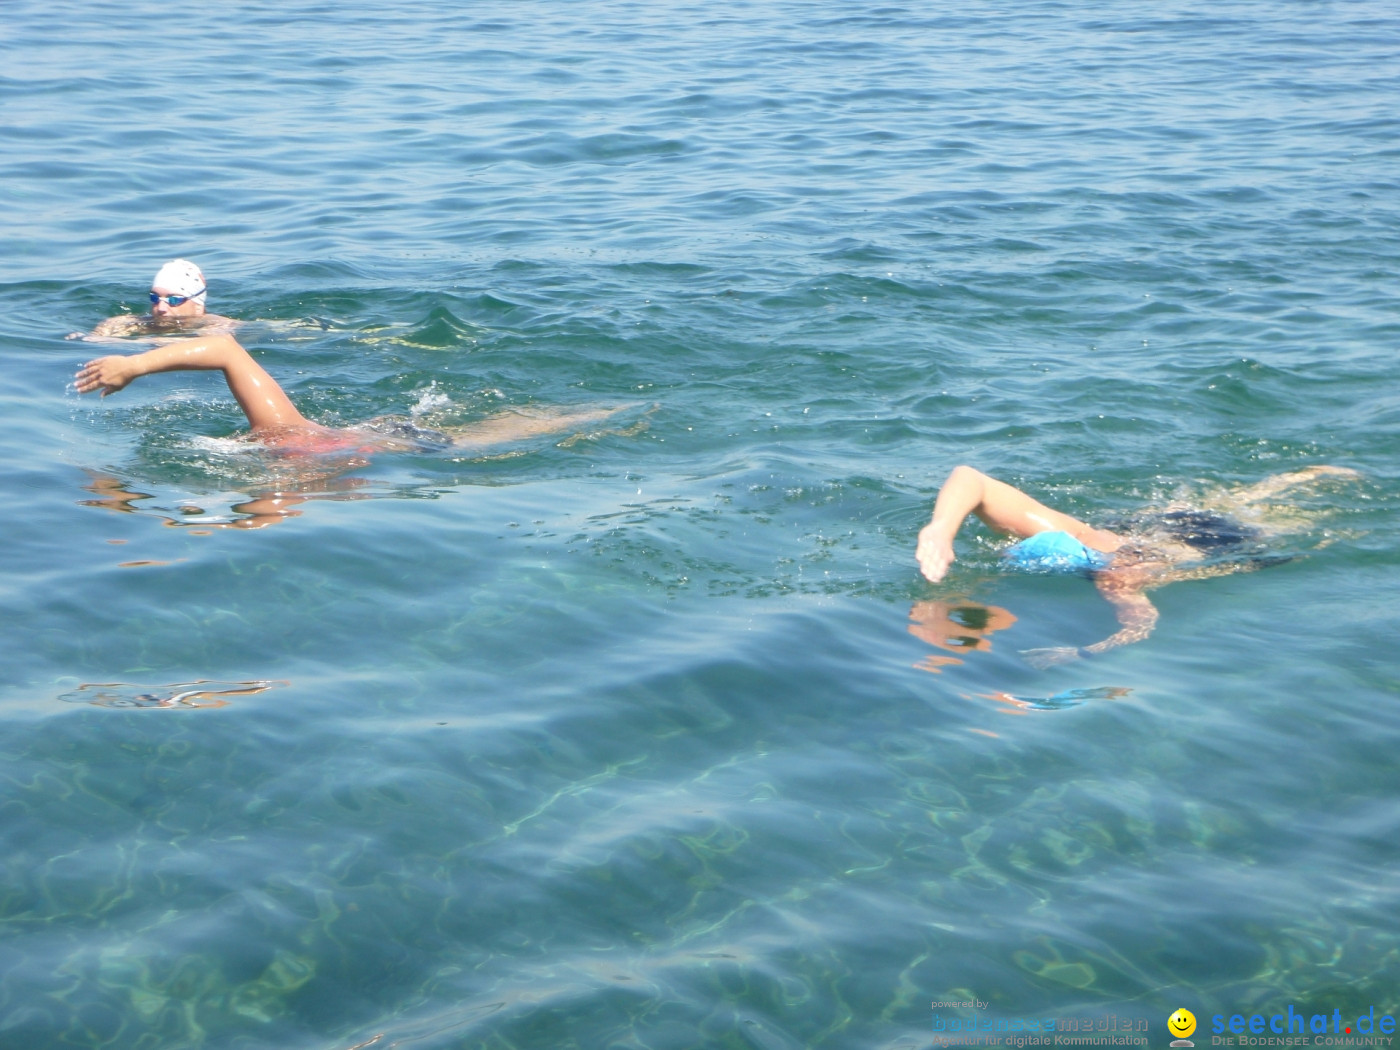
(145, 329)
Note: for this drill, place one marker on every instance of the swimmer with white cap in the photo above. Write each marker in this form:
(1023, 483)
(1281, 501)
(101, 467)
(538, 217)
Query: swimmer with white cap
(178, 297)
(277, 423)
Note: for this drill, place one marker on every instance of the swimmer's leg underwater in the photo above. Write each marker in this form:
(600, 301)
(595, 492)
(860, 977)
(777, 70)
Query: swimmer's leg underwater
(1279, 483)
(518, 425)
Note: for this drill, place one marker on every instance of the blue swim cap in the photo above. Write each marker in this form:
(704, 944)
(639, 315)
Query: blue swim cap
(1055, 552)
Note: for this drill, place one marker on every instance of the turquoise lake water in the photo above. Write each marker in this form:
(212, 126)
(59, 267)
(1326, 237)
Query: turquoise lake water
(637, 736)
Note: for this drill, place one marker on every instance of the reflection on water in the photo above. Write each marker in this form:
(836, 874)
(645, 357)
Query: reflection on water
(1019, 705)
(958, 625)
(961, 625)
(200, 693)
(262, 509)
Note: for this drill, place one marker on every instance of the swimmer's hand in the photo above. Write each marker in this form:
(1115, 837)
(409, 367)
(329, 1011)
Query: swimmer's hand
(1040, 659)
(108, 374)
(934, 553)
(94, 337)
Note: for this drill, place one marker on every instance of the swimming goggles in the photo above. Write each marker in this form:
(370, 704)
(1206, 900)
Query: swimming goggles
(175, 300)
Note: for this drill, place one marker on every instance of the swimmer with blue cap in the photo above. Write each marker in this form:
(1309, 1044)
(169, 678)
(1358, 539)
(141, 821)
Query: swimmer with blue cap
(1160, 547)
(1050, 540)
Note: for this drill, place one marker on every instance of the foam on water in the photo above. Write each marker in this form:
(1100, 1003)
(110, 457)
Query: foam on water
(430, 399)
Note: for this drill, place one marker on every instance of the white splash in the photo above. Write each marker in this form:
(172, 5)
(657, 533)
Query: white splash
(429, 400)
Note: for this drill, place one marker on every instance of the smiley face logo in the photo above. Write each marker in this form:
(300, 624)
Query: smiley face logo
(1181, 1024)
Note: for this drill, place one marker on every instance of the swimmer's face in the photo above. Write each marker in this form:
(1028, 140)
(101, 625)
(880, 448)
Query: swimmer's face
(163, 311)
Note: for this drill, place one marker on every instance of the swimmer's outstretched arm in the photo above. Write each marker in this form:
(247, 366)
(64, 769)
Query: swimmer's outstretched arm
(1137, 616)
(1002, 507)
(264, 402)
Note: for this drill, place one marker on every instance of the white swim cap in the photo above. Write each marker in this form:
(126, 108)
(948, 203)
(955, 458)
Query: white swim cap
(181, 277)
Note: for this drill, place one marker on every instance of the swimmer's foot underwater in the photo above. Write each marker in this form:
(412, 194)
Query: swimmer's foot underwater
(1145, 550)
(274, 420)
(522, 424)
